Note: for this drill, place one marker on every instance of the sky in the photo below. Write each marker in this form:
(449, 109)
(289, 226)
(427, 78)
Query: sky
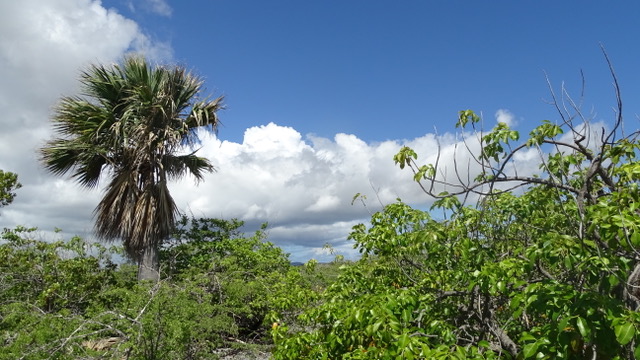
(319, 95)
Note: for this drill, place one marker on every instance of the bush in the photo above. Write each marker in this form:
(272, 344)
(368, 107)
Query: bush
(546, 267)
(70, 299)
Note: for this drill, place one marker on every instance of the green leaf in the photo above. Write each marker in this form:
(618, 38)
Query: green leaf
(529, 350)
(624, 333)
(376, 326)
(403, 341)
(563, 324)
(583, 327)
(635, 238)
(613, 280)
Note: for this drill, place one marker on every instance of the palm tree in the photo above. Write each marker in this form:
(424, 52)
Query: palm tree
(132, 124)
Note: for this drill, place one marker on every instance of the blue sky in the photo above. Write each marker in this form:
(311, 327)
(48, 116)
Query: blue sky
(320, 95)
(395, 69)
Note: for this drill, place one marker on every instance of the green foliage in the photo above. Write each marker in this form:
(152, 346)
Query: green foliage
(467, 117)
(8, 184)
(46, 287)
(544, 132)
(404, 157)
(71, 299)
(495, 141)
(547, 272)
(543, 266)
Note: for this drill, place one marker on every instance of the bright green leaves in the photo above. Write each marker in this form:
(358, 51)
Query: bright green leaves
(629, 172)
(567, 322)
(404, 157)
(625, 332)
(493, 142)
(615, 219)
(465, 117)
(59, 296)
(583, 327)
(623, 152)
(403, 298)
(530, 350)
(425, 172)
(447, 202)
(369, 325)
(543, 132)
(397, 227)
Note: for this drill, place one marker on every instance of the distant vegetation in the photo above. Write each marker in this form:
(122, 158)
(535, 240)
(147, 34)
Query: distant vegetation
(542, 265)
(8, 184)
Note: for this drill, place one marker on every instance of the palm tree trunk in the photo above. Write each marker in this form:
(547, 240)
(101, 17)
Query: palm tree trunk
(148, 265)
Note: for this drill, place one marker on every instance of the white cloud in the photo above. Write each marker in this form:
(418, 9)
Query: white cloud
(592, 132)
(160, 7)
(324, 203)
(505, 116)
(302, 187)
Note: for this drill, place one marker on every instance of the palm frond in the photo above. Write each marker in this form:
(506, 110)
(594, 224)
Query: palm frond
(58, 157)
(178, 166)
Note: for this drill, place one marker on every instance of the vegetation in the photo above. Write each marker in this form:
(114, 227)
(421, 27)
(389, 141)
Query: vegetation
(71, 300)
(8, 184)
(522, 264)
(545, 265)
(131, 123)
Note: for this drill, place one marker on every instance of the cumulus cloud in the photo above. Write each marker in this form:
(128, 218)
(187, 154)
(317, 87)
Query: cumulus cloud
(303, 187)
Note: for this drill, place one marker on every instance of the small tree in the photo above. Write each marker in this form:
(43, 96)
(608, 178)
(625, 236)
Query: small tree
(8, 184)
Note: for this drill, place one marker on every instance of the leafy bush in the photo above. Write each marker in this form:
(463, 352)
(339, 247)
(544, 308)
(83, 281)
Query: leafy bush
(544, 266)
(70, 299)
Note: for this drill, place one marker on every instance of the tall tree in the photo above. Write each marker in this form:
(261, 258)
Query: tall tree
(8, 184)
(132, 122)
